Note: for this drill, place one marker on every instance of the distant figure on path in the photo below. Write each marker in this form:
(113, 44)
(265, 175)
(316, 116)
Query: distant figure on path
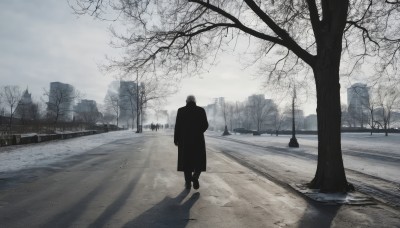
(191, 123)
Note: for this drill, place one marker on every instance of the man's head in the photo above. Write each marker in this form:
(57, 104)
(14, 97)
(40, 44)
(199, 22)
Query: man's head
(190, 98)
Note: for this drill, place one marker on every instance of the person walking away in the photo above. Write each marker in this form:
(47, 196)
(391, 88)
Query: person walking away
(191, 123)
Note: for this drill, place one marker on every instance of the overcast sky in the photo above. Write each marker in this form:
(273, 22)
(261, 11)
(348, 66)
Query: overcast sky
(43, 41)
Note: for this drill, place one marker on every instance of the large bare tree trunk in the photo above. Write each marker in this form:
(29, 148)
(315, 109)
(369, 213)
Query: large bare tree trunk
(330, 175)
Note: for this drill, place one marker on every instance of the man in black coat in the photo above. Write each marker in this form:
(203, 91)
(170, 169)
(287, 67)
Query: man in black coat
(191, 123)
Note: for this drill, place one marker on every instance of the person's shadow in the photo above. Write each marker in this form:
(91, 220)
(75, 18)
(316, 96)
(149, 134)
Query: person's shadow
(170, 212)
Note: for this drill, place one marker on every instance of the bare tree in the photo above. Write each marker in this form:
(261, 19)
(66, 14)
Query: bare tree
(247, 116)
(278, 117)
(388, 96)
(358, 108)
(106, 117)
(231, 115)
(179, 36)
(28, 111)
(129, 97)
(60, 102)
(346, 118)
(153, 93)
(89, 115)
(261, 109)
(112, 104)
(371, 105)
(11, 96)
(238, 114)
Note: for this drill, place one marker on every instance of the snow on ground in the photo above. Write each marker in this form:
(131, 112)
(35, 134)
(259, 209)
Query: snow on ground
(361, 141)
(271, 156)
(375, 155)
(15, 158)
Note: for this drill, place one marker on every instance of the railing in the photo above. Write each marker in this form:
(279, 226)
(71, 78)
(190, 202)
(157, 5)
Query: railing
(39, 126)
(8, 140)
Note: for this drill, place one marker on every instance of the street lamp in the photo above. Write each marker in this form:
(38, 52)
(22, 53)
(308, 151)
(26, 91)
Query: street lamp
(138, 130)
(293, 141)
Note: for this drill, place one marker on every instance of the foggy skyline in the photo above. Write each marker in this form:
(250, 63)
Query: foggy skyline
(43, 42)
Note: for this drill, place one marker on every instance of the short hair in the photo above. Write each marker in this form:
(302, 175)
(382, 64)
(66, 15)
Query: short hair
(191, 98)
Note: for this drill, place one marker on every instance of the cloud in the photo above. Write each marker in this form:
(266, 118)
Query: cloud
(42, 41)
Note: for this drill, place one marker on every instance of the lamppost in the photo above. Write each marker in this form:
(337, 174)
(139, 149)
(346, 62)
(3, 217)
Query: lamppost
(138, 130)
(226, 132)
(293, 141)
(142, 103)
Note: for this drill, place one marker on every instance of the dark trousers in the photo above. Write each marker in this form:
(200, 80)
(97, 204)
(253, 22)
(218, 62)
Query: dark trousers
(189, 176)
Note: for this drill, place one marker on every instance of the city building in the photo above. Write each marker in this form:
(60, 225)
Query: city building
(86, 111)
(219, 101)
(26, 109)
(358, 101)
(86, 106)
(127, 99)
(61, 101)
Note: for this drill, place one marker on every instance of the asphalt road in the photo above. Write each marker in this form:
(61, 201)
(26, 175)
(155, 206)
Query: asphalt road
(134, 183)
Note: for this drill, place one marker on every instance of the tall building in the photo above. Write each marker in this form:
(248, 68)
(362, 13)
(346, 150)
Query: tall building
(358, 101)
(86, 106)
(127, 99)
(259, 100)
(86, 110)
(26, 109)
(219, 101)
(61, 101)
(126, 93)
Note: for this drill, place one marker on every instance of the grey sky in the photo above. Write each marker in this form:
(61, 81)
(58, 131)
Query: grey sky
(42, 41)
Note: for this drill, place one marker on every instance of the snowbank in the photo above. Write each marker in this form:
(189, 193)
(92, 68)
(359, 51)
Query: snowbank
(27, 156)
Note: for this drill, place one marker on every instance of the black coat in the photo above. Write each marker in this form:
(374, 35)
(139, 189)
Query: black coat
(191, 123)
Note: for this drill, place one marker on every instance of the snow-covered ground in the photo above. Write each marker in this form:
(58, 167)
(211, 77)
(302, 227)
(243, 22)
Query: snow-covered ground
(371, 162)
(364, 156)
(15, 158)
(362, 141)
(376, 155)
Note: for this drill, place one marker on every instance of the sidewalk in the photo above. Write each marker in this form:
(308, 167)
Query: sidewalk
(232, 195)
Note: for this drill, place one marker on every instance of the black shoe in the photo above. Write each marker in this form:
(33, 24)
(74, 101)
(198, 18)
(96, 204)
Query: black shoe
(196, 184)
(188, 185)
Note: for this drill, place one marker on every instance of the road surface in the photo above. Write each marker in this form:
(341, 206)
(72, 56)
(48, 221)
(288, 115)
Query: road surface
(134, 183)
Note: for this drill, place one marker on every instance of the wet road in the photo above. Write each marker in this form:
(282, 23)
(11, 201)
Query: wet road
(134, 183)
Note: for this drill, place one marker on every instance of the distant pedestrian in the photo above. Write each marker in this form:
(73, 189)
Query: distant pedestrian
(191, 123)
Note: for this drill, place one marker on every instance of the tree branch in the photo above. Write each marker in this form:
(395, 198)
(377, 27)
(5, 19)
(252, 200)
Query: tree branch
(289, 42)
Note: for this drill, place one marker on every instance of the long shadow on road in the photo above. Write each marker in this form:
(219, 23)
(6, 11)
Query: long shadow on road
(69, 216)
(112, 209)
(72, 214)
(318, 215)
(170, 212)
